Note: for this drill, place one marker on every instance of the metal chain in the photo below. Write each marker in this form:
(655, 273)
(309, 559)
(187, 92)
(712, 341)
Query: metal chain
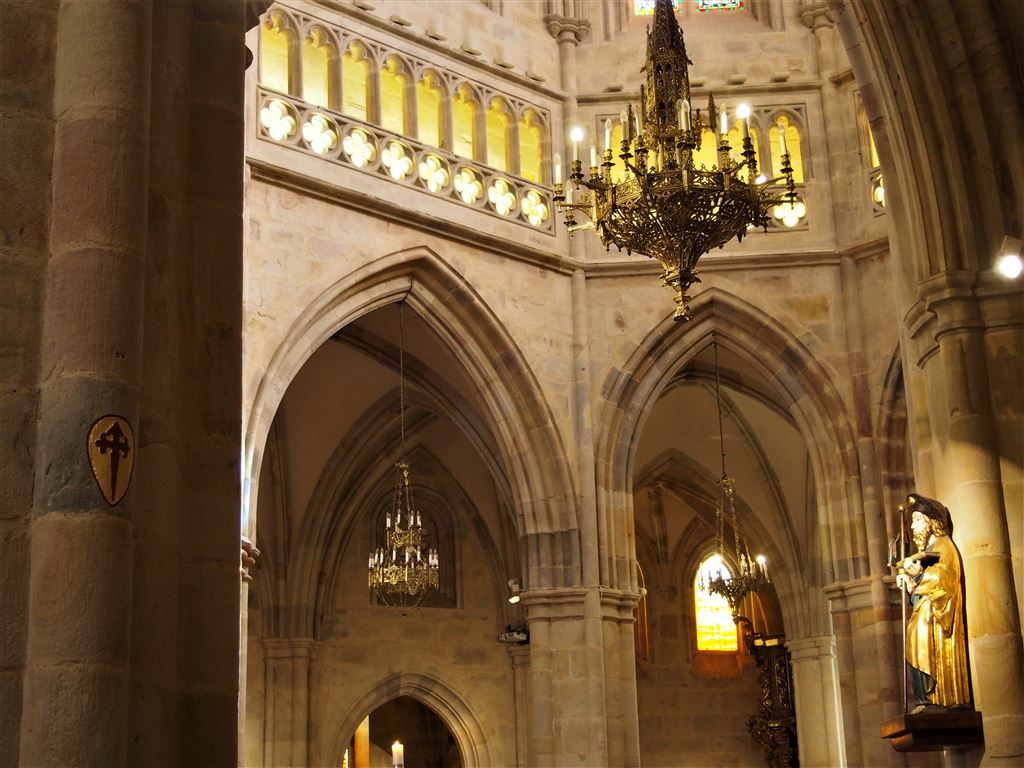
(718, 400)
(401, 371)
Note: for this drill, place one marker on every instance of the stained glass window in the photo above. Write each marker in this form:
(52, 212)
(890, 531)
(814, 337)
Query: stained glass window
(428, 109)
(497, 122)
(646, 7)
(355, 74)
(316, 63)
(716, 630)
(464, 122)
(275, 49)
(792, 146)
(393, 81)
(530, 147)
(719, 5)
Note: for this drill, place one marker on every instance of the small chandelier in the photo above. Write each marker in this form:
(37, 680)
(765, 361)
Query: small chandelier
(752, 575)
(666, 208)
(402, 572)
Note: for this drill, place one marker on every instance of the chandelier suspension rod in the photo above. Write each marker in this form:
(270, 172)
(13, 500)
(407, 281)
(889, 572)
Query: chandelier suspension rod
(718, 401)
(401, 372)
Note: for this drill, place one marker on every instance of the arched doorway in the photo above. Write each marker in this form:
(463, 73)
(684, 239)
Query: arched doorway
(402, 726)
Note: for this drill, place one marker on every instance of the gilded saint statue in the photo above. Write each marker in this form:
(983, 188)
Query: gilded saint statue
(936, 640)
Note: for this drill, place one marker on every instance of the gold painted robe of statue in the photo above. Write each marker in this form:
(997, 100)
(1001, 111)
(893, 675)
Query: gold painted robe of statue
(936, 640)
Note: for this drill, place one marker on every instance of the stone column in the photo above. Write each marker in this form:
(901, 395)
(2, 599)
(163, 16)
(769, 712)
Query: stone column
(871, 688)
(816, 696)
(520, 656)
(80, 590)
(248, 556)
(287, 710)
(969, 482)
(567, 723)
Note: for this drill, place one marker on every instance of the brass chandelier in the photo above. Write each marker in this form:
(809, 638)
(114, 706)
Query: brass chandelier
(665, 207)
(403, 571)
(752, 574)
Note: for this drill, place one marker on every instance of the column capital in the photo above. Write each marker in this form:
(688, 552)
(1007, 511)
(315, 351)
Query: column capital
(850, 595)
(815, 14)
(288, 647)
(566, 28)
(250, 554)
(554, 603)
(811, 647)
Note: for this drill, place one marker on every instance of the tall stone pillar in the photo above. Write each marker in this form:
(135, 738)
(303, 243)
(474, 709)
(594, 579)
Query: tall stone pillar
(819, 727)
(969, 482)
(287, 728)
(76, 684)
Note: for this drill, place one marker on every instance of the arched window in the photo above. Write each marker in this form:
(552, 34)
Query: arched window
(641, 628)
(429, 99)
(498, 120)
(875, 170)
(355, 86)
(716, 630)
(275, 54)
(393, 81)
(792, 146)
(531, 147)
(618, 169)
(707, 155)
(464, 108)
(316, 68)
(735, 138)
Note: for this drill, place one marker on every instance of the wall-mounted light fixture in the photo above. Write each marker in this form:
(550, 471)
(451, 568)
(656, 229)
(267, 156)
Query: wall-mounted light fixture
(1008, 262)
(514, 589)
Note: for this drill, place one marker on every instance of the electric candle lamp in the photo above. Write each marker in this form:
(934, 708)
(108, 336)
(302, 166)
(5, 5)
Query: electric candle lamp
(607, 135)
(725, 123)
(782, 139)
(624, 124)
(593, 154)
(398, 754)
(557, 168)
(743, 113)
(683, 107)
(576, 135)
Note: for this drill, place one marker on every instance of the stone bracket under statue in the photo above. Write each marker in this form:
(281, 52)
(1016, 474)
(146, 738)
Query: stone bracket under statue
(938, 710)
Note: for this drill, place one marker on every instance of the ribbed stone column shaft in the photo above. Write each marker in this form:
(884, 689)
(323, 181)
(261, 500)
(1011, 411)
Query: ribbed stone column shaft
(80, 594)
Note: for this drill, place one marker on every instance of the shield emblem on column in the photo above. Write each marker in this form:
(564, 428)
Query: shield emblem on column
(111, 448)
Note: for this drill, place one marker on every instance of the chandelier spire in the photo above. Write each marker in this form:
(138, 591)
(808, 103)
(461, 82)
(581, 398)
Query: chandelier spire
(403, 572)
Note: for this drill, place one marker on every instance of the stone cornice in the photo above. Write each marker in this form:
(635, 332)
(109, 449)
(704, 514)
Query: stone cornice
(288, 647)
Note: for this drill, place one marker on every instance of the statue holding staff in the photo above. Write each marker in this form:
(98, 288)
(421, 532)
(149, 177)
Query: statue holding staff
(936, 640)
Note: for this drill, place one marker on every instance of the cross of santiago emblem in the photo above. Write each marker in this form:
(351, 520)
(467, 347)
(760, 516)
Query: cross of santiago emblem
(111, 447)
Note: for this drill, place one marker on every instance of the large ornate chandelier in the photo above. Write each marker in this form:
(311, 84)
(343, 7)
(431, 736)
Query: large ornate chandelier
(665, 207)
(403, 571)
(752, 575)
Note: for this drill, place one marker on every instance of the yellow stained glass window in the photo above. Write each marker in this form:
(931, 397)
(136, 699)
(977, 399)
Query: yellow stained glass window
(736, 147)
(464, 122)
(792, 146)
(716, 630)
(531, 148)
(393, 81)
(355, 77)
(872, 150)
(275, 50)
(707, 155)
(316, 72)
(617, 167)
(497, 120)
(428, 109)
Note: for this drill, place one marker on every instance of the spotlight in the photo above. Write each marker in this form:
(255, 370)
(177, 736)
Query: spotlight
(1008, 263)
(514, 588)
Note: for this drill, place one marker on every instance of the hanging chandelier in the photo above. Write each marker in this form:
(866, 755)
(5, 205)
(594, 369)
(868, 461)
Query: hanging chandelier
(665, 207)
(403, 571)
(752, 574)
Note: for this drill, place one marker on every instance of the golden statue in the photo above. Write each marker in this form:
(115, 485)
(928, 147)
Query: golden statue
(936, 641)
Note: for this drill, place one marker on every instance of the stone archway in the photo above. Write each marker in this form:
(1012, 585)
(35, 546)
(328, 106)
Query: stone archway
(445, 702)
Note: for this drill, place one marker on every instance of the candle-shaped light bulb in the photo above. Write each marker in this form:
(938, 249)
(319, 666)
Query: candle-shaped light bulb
(394, 555)
(387, 521)
(593, 154)
(607, 135)
(639, 116)
(624, 125)
(418, 523)
(724, 129)
(576, 136)
(683, 108)
(743, 115)
(556, 167)
(782, 139)
(397, 754)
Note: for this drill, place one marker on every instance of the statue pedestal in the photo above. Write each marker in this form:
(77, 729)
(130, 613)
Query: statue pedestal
(933, 731)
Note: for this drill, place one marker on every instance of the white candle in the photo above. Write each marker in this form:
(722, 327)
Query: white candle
(782, 139)
(624, 125)
(557, 168)
(639, 114)
(593, 154)
(725, 123)
(397, 754)
(683, 107)
(607, 135)
(743, 114)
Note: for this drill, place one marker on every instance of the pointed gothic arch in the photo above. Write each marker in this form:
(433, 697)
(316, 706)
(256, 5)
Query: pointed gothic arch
(529, 443)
